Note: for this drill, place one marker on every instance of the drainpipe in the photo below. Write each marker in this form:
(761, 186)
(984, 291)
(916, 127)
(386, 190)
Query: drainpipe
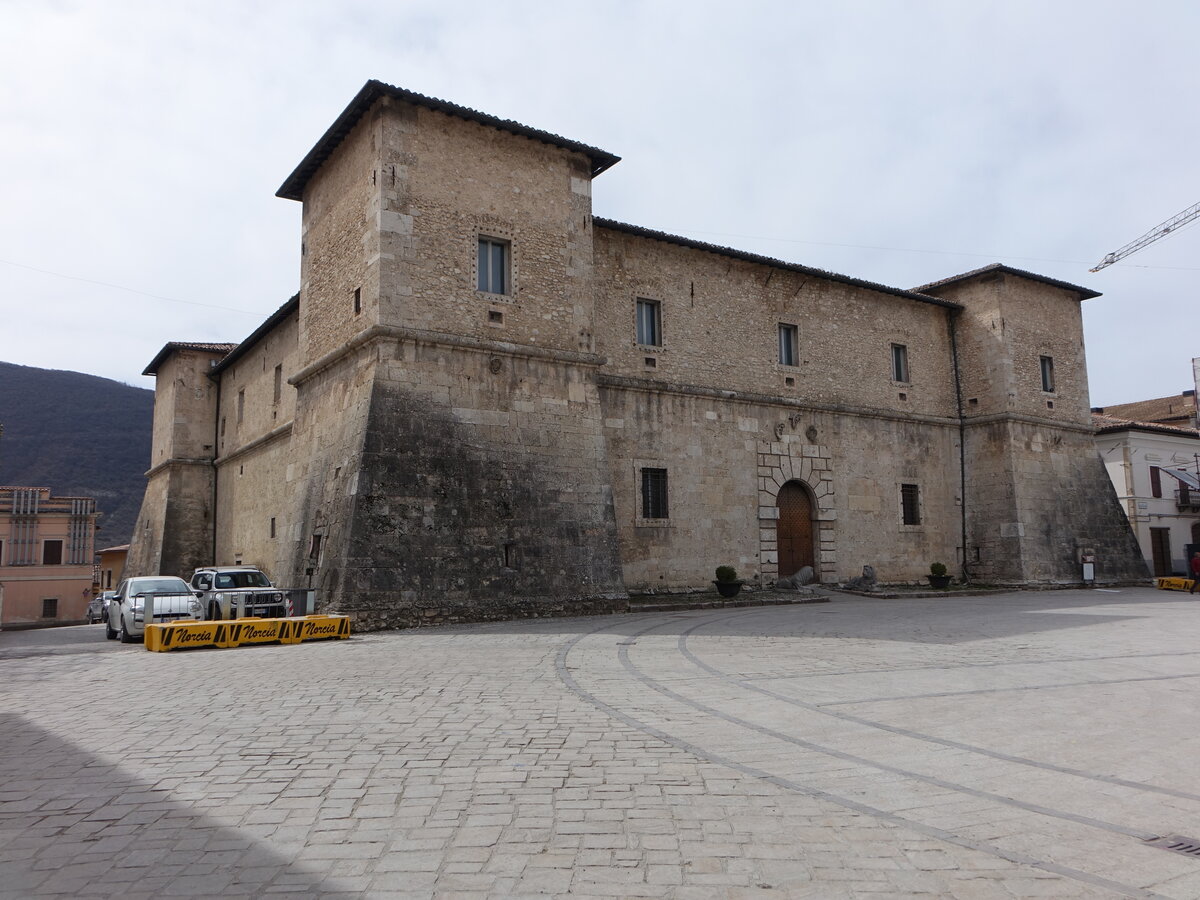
(212, 557)
(951, 315)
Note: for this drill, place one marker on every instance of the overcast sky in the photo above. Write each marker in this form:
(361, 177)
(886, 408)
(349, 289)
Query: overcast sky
(900, 142)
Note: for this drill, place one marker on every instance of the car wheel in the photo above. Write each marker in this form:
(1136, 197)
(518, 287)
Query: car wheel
(126, 637)
(109, 631)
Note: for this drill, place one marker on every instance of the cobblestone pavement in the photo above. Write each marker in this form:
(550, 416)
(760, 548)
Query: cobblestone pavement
(1023, 745)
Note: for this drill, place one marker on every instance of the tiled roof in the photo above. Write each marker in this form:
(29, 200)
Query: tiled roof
(171, 346)
(1084, 293)
(114, 549)
(1167, 410)
(767, 261)
(293, 187)
(1106, 424)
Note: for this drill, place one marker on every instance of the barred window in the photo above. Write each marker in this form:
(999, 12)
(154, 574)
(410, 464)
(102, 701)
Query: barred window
(50, 608)
(910, 504)
(654, 494)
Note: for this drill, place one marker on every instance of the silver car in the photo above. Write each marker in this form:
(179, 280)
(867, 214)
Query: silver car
(155, 598)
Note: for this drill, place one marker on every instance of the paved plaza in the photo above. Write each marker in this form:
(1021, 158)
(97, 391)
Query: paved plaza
(1016, 745)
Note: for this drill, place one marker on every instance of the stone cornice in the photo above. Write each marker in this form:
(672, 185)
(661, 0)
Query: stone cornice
(378, 333)
(273, 435)
(646, 385)
(177, 461)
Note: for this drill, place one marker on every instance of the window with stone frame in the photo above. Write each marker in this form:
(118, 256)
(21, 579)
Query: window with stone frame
(494, 269)
(900, 363)
(649, 322)
(789, 345)
(1047, 367)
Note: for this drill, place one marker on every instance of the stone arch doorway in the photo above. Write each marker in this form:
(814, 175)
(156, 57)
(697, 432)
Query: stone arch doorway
(794, 530)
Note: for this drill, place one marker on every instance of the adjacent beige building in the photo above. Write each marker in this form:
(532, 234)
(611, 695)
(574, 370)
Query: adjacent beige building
(484, 401)
(46, 547)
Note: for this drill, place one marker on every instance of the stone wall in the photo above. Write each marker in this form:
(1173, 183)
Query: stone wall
(483, 491)
(727, 457)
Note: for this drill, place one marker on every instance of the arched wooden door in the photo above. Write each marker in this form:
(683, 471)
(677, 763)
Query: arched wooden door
(794, 530)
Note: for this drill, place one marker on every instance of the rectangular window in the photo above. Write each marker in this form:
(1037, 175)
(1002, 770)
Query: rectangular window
(910, 504)
(789, 345)
(52, 553)
(357, 301)
(314, 549)
(654, 494)
(241, 405)
(493, 266)
(50, 608)
(649, 323)
(1155, 482)
(900, 363)
(278, 382)
(272, 527)
(1048, 374)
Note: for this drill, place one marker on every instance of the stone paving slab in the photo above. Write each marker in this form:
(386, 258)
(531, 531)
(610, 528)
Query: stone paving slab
(1020, 745)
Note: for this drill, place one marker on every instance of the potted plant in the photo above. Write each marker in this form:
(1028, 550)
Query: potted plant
(938, 577)
(727, 581)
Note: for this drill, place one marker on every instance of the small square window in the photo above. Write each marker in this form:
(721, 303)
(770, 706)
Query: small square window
(1048, 374)
(50, 608)
(900, 363)
(789, 345)
(910, 504)
(654, 494)
(495, 317)
(493, 266)
(649, 323)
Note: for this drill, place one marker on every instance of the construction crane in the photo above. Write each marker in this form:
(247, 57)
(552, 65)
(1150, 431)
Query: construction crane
(1158, 231)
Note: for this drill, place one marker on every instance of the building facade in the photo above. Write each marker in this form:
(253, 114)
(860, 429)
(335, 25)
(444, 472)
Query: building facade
(46, 548)
(484, 401)
(1155, 470)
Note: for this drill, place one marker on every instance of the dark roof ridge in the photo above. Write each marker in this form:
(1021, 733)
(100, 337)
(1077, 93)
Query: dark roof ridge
(171, 346)
(1084, 293)
(240, 350)
(293, 186)
(613, 225)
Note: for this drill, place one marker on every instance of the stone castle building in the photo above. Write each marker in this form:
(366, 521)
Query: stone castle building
(486, 402)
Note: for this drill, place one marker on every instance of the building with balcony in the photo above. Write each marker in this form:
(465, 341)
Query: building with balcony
(1155, 469)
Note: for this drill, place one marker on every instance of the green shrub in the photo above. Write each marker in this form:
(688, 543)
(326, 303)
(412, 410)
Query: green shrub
(938, 569)
(726, 573)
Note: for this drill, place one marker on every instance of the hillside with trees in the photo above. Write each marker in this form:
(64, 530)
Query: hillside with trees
(80, 436)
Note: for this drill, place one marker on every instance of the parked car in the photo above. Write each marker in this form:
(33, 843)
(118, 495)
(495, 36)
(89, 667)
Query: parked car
(165, 596)
(240, 591)
(98, 607)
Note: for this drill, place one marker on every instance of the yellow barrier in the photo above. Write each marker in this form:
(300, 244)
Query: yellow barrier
(1175, 584)
(186, 633)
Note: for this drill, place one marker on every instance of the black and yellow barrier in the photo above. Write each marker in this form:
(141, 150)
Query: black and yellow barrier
(184, 634)
(1175, 584)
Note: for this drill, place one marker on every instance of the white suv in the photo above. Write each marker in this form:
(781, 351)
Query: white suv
(238, 590)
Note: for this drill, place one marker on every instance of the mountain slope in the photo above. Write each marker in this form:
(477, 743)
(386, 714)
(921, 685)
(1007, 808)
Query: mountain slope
(80, 436)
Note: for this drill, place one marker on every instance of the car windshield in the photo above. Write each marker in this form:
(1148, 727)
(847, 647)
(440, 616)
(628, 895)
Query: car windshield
(159, 585)
(229, 580)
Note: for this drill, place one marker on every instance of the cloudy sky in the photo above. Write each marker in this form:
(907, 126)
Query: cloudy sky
(899, 141)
